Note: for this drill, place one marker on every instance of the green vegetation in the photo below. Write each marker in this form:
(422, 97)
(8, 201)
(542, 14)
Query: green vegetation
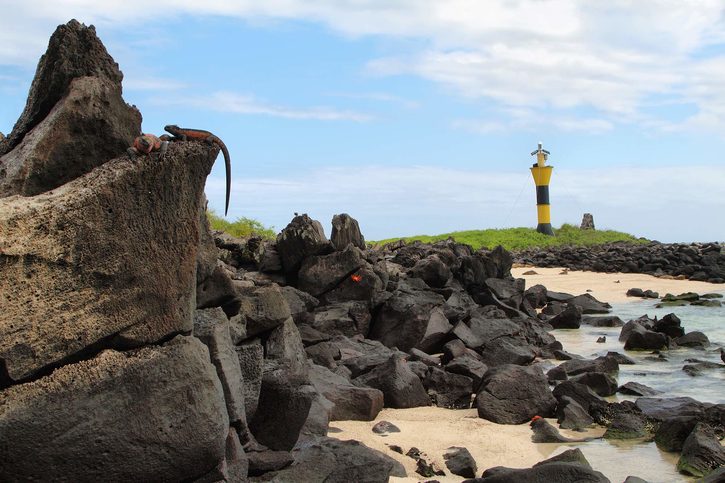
(241, 227)
(521, 238)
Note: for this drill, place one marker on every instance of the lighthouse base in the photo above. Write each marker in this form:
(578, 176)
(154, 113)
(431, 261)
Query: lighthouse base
(545, 228)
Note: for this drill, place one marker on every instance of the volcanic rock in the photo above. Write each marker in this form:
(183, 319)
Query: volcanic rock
(512, 394)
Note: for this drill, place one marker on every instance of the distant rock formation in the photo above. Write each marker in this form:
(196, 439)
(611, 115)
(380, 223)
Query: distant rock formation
(587, 222)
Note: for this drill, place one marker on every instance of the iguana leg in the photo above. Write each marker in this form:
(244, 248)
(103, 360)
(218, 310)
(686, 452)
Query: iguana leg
(132, 153)
(162, 149)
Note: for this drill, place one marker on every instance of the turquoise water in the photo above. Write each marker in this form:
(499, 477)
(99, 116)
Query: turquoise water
(619, 459)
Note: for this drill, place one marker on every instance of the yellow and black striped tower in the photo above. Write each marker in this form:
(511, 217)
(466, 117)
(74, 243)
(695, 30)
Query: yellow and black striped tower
(542, 176)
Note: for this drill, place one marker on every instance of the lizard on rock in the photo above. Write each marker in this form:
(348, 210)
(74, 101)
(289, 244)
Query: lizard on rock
(184, 134)
(145, 143)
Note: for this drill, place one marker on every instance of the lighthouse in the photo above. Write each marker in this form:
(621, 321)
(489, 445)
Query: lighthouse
(542, 176)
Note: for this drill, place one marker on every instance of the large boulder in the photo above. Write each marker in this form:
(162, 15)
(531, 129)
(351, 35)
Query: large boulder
(350, 402)
(589, 305)
(334, 461)
(344, 318)
(302, 237)
(702, 453)
(74, 51)
(400, 386)
(436, 331)
(320, 274)
(285, 344)
(161, 408)
(285, 400)
(403, 319)
(512, 394)
(569, 318)
(262, 309)
(113, 254)
(346, 231)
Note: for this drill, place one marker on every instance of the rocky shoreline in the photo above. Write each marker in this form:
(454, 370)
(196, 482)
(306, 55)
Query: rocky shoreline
(135, 344)
(693, 261)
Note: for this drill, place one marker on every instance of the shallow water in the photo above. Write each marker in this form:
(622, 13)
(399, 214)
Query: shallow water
(663, 375)
(619, 459)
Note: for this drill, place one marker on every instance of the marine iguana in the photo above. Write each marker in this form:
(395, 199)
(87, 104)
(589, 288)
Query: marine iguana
(145, 143)
(185, 134)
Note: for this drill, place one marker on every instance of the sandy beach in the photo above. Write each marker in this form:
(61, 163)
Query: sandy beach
(609, 287)
(433, 430)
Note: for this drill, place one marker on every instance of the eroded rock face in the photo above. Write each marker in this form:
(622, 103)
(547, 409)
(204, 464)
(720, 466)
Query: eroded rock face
(513, 394)
(74, 51)
(107, 260)
(86, 128)
(157, 414)
(345, 231)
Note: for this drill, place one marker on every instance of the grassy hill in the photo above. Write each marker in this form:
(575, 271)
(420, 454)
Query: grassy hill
(520, 238)
(241, 227)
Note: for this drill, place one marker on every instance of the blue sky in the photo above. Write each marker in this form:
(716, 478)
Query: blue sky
(418, 117)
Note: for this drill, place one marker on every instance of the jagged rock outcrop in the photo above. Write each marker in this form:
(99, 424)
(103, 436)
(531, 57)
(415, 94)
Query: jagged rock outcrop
(75, 118)
(161, 408)
(346, 231)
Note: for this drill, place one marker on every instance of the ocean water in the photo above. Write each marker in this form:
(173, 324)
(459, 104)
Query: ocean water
(619, 459)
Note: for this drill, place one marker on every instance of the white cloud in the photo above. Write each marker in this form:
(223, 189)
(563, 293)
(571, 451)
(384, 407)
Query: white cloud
(555, 54)
(669, 203)
(247, 104)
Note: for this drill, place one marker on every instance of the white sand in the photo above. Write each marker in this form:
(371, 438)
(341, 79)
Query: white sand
(433, 430)
(609, 287)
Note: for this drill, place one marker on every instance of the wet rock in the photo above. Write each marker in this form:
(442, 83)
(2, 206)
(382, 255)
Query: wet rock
(460, 462)
(638, 292)
(672, 432)
(571, 415)
(401, 388)
(701, 453)
(589, 305)
(536, 296)
(569, 318)
(602, 321)
(57, 244)
(346, 231)
(699, 367)
(512, 394)
(605, 364)
(543, 432)
(601, 383)
(640, 338)
(670, 325)
(660, 409)
(694, 339)
(621, 358)
(593, 404)
(85, 420)
(627, 426)
(636, 389)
